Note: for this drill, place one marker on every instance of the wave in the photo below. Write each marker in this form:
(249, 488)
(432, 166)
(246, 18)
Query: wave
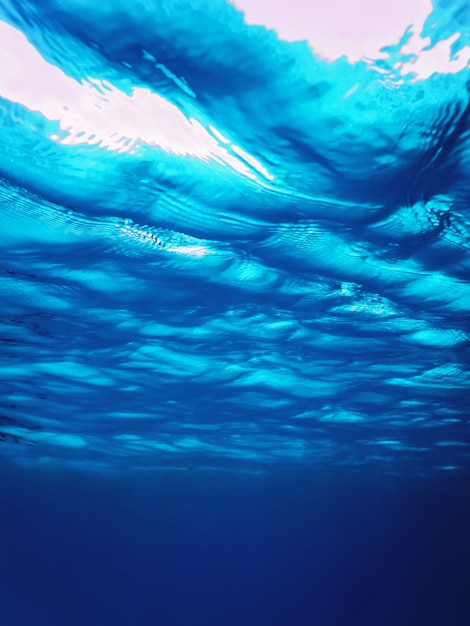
(223, 246)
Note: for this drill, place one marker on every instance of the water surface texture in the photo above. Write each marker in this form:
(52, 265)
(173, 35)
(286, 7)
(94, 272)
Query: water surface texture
(223, 246)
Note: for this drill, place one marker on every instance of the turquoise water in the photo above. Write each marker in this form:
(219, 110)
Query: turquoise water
(234, 313)
(220, 249)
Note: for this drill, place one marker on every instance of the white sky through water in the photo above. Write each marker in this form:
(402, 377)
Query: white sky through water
(96, 112)
(357, 29)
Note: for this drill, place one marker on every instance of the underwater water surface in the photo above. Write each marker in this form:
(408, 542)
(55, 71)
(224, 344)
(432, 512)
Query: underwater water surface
(224, 248)
(234, 313)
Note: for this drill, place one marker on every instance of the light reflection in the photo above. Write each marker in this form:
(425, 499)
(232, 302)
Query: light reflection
(147, 236)
(197, 251)
(95, 112)
(360, 30)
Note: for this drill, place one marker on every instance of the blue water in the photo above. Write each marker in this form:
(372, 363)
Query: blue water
(234, 322)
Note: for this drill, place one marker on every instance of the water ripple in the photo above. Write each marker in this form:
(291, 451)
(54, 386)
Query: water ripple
(220, 248)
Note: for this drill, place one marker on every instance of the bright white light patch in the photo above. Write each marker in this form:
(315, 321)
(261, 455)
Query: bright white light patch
(95, 112)
(358, 29)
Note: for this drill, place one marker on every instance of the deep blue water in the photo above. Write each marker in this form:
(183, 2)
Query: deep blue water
(234, 322)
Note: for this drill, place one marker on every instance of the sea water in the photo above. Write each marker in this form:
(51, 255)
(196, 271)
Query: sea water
(234, 315)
